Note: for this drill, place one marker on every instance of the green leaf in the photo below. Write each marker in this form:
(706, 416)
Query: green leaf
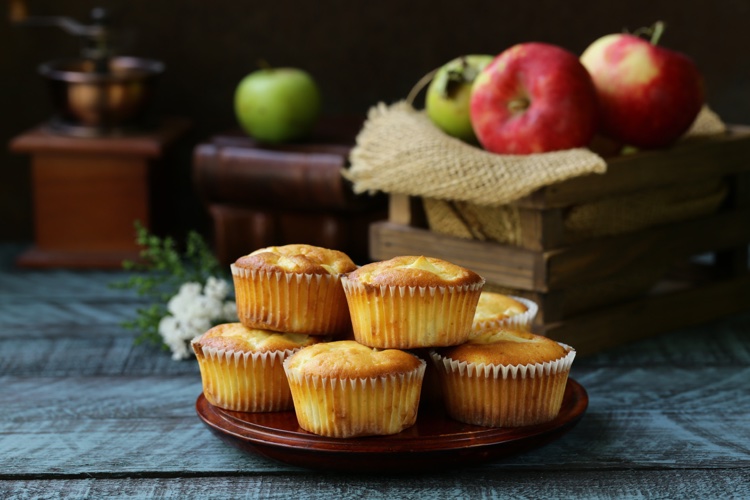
(160, 272)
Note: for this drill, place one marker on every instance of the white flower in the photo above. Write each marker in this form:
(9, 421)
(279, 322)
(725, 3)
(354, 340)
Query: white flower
(229, 312)
(205, 307)
(190, 289)
(192, 313)
(181, 304)
(196, 326)
(179, 350)
(168, 325)
(216, 288)
(173, 333)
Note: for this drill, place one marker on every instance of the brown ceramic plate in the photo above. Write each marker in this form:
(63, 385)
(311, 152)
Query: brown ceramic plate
(435, 441)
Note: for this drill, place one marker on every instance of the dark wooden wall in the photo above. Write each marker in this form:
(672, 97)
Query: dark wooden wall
(360, 52)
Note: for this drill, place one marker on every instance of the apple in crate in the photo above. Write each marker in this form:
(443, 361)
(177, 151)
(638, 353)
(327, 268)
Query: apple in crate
(649, 95)
(277, 104)
(447, 99)
(532, 98)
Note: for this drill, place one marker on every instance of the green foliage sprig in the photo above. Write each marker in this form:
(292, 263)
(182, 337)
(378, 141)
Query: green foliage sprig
(159, 273)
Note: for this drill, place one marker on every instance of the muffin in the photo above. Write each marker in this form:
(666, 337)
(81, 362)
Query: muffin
(409, 302)
(293, 288)
(242, 368)
(344, 389)
(504, 378)
(496, 311)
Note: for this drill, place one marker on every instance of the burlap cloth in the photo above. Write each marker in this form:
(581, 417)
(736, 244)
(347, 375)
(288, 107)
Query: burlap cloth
(400, 151)
(467, 191)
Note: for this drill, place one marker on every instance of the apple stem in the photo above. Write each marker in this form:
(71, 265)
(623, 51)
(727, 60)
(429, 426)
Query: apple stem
(422, 83)
(656, 31)
(519, 105)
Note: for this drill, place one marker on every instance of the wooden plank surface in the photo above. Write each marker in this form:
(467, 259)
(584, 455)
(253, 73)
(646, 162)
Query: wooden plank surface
(621, 483)
(148, 424)
(88, 414)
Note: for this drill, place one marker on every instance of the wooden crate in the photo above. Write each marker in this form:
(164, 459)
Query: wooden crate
(546, 266)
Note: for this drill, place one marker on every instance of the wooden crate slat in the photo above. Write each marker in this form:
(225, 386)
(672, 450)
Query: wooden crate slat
(734, 261)
(689, 161)
(406, 210)
(516, 267)
(638, 319)
(595, 260)
(585, 263)
(541, 228)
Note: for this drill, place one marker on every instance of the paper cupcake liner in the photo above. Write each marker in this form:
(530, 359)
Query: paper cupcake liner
(503, 395)
(521, 321)
(291, 302)
(402, 317)
(343, 407)
(245, 381)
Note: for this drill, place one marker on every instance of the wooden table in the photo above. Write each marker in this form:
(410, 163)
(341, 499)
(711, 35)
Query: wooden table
(88, 414)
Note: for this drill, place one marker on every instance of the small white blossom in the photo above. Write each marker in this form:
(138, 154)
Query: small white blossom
(180, 304)
(230, 311)
(179, 350)
(192, 311)
(168, 325)
(216, 288)
(195, 326)
(190, 289)
(205, 307)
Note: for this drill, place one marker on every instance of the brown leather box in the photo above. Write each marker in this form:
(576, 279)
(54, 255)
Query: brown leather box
(260, 195)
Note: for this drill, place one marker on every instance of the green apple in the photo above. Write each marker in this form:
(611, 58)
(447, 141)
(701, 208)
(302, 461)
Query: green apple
(277, 104)
(449, 94)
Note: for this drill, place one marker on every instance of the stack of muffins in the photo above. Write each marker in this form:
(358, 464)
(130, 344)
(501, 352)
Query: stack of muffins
(347, 348)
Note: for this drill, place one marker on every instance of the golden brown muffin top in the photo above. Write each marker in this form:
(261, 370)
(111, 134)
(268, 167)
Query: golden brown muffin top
(297, 258)
(350, 360)
(237, 337)
(411, 270)
(495, 306)
(506, 347)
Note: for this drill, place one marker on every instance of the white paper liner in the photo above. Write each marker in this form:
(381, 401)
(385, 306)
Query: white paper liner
(407, 317)
(245, 381)
(313, 304)
(520, 321)
(503, 395)
(348, 407)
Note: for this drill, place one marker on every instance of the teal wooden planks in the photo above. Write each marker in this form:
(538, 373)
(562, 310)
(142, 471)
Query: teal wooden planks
(109, 425)
(86, 413)
(511, 483)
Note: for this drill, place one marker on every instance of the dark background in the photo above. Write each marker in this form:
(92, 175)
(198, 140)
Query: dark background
(359, 52)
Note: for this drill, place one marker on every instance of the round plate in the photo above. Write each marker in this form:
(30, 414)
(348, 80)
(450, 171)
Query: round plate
(435, 441)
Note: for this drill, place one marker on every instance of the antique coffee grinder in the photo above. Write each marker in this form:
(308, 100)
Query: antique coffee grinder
(97, 93)
(97, 164)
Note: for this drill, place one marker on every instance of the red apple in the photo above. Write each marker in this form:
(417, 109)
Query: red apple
(649, 96)
(532, 98)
